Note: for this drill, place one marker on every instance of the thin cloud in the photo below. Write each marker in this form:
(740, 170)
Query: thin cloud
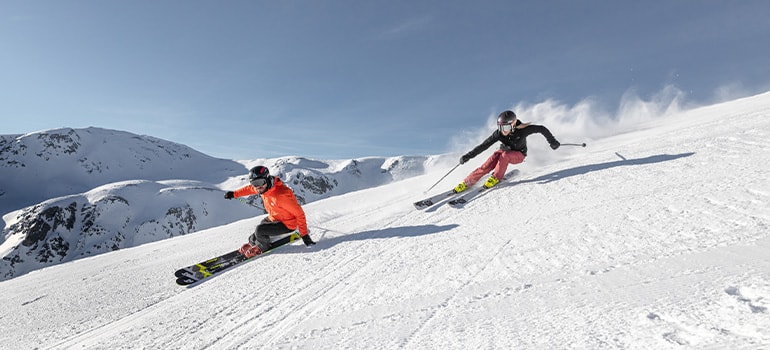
(410, 25)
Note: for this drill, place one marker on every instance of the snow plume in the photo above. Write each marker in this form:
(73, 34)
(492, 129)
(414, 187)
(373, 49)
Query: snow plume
(585, 121)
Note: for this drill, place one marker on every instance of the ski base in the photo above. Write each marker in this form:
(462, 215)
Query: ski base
(427, 202)
(205, 269)
(476, 192)
(459, 202)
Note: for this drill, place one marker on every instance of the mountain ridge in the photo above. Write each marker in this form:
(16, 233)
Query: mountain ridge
(72, 193)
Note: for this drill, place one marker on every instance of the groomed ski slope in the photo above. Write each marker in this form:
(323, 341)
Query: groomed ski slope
(654, 239)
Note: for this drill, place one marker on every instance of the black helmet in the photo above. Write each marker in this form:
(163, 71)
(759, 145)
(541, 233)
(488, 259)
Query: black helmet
(259, 172)
(260, 175)
(506, 117)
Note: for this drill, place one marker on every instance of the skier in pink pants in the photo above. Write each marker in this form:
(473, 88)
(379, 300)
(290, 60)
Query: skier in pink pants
(512, 133)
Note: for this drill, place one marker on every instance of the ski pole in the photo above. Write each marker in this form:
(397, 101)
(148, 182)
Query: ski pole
(439, 180)
(574, 144)
(247, 203)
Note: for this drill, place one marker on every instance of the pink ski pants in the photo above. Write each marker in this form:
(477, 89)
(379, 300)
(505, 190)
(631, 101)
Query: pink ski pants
(499, 162)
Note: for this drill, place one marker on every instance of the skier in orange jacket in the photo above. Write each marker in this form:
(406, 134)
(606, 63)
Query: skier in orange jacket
(284, 214)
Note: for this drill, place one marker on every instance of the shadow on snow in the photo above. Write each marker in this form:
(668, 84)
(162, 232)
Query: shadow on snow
(389, 232)
(585, 169)
(421, 230)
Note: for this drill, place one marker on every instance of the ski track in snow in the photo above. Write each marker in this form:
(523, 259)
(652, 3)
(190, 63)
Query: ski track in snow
(654, 239)
(424, 325)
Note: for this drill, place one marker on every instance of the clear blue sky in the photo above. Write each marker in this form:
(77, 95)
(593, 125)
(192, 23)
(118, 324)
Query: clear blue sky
(346, 79)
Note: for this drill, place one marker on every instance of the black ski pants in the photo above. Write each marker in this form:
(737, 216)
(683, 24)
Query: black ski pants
(264, 230)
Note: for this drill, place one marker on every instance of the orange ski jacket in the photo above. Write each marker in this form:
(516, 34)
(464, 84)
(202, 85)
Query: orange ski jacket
(280, 204)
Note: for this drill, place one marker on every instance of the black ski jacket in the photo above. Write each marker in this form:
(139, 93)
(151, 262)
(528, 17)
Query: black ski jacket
(515, 141)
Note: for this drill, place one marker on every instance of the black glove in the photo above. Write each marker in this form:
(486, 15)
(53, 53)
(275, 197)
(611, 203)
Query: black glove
(308, 241)
(465, 159)
(229, 195)
(555, 144)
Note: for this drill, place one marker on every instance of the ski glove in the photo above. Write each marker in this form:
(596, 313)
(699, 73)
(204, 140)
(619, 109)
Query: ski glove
(555, 144)
(464, 159)
(229, 195)
(307, 240)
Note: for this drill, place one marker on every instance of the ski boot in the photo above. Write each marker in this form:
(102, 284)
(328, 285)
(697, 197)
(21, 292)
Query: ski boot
(491, 181)
(249, 251)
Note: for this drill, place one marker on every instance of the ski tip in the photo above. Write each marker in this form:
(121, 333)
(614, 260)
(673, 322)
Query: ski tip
(184, 273)
(186, 281)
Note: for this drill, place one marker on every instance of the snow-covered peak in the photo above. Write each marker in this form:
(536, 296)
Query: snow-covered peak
(47, 164)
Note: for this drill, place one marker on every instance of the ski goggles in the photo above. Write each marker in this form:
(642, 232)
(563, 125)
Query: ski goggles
(506, 127)
(259, 182)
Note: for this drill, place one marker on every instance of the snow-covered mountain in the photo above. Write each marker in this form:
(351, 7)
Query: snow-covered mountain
(651, 239)
(53, 163)
(73, 193)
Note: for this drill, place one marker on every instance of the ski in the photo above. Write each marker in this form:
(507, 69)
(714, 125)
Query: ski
(427, 202)
(205, 269)
(475, 192)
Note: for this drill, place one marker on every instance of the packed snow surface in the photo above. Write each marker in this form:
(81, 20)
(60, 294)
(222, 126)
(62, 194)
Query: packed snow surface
(653, 239)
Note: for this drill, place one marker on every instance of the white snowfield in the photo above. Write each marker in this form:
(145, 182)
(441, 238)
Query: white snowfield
(653, 239)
